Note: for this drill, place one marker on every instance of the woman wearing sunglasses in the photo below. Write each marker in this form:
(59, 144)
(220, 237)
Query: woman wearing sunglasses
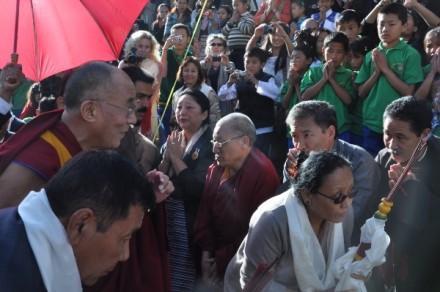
(304, 229)
(217, 67)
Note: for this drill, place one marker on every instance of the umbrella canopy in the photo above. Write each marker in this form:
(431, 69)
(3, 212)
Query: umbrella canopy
(56, 35)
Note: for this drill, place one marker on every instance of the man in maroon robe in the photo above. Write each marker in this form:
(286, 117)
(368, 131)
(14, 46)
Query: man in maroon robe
(236, 185)
(99, 109)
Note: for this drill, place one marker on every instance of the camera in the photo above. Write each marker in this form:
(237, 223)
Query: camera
(132, 58)
(268, 28)
(216, 58)
(178, 38)
(240, 74)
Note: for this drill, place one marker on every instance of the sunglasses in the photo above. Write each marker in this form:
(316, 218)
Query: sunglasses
(338, 198)
(216, 45)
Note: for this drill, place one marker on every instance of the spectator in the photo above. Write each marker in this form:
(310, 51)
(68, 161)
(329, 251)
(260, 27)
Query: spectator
(298, 16)
(273, 11)
(319, 34)
(326, 17)
(349, 22)
(388, 72)
(159, 24)
(238, 31)
(224, 14)
(186, 157)
(179, 14)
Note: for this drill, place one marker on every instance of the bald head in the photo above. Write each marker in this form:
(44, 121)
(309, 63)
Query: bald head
(239, 124)
(92, 80)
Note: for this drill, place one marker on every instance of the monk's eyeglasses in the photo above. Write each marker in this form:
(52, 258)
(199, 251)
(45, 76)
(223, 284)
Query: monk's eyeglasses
(129, 110)
(219, 145)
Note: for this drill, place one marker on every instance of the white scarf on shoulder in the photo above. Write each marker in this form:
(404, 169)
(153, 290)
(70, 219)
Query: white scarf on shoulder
(50, 244)
(313, 271)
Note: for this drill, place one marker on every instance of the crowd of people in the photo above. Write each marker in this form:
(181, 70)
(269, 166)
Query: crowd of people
(232, 137)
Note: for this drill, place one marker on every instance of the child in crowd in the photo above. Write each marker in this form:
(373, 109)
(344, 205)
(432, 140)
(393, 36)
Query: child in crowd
(357, 51)
(179, 14)
(208, 24)
(326, 16)
(224, 14)
(301, 58)
(173, 53)
(298, 15)
(320, 34)
(349, 22)
(388, 72)
(430, 87)
(256, 92)
(238, 31)
(159, 24)
(331, 82)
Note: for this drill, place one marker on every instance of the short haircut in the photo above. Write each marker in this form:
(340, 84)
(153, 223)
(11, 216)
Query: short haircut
(307, 50)
(240, 124)
(349, 15)
(435, 32)
(397, 9)
(257, 53)
(181, 26)
(138, 74)
(103, 181)
(300, 3)
(361, 46)
(413, 110)
(337, 37)
(200, 75)
(47, 103)
(322, 113)
(227, 8)
(314, 170)
(201, 100)
(87, 81)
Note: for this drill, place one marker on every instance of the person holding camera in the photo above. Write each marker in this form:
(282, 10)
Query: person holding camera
(256, 92)
(217, 68)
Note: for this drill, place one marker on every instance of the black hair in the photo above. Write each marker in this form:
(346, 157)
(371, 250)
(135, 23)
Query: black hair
(337, 37)
(414, 15)
(349, 15)
(181, 26)
(47, 103)
(361, 46)
(281, 61)
(413, 110)
(257, 53)
(103, 181)
(86, 81)
(227, 8)
(137, 74)
(322, 112)
(397, 9)
(201, 100)
(314, 170)
(200, 73)
(307, 50)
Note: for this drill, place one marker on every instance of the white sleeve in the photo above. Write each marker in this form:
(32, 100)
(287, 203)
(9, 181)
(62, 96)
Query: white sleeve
(269, 89)
(5, 107)
(226, 93)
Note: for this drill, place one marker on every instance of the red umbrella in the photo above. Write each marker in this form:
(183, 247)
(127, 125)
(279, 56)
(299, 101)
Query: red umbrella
(55, 35)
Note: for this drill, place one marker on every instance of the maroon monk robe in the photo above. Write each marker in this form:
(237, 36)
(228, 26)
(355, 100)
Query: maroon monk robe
(147, 268)
(226, 207)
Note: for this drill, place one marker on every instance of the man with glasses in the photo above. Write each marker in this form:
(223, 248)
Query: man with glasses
(313, 126)
(240, 180)
(99, 109)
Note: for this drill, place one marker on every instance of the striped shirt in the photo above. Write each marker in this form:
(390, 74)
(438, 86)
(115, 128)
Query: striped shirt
(240, 34)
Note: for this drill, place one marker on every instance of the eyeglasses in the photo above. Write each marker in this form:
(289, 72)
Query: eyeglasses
(216, 45)
(338, 199)
(219, 145)
(129, 110)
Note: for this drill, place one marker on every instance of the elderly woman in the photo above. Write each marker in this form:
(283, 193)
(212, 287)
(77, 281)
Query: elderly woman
(191, 75)
(302, 228)
(236, 185)
(217, 68)
(145, 56)
(186, 157)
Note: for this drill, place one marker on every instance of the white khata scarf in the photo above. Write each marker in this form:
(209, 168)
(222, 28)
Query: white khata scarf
(48, 240)
(313, 271)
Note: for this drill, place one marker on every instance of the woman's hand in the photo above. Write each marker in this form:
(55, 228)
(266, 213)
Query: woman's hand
(224, 60)
(281, 32)
(209, 270)
(259, 30)
(174, 146)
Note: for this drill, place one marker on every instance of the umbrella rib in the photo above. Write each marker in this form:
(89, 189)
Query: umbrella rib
(102, 31)
(37, 61)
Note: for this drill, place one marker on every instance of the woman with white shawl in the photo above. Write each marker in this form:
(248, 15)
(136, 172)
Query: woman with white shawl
(304, 230)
